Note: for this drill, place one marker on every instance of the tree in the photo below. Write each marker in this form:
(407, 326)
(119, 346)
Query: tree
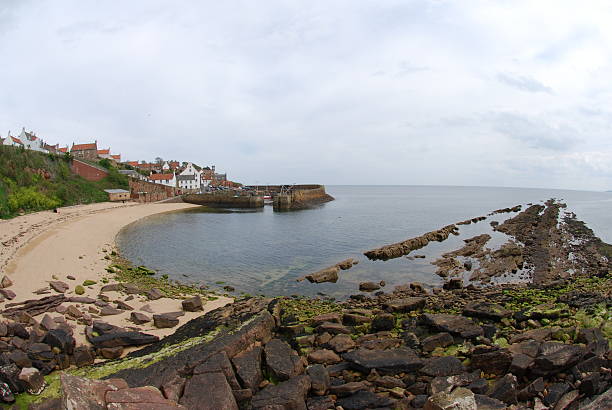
(159, 160)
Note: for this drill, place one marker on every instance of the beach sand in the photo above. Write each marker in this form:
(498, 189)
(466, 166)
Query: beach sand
(36, 247)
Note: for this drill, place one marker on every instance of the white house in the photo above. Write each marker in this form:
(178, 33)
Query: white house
(12, 141)
(164, 179)
(31, 141)
(190, 178)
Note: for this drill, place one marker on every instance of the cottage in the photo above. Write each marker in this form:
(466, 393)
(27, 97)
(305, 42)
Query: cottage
(104, 153)
(13, 141)
(164, 179)
(31, 141)
(115, 195)
(190, 178)
(85, 151)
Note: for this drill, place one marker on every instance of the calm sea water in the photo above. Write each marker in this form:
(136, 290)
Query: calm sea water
(264, 252)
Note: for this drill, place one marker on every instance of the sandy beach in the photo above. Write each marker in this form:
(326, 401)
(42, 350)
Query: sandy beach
(45, 246)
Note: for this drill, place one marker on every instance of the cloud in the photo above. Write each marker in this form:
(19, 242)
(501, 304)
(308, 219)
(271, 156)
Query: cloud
(523, 83)
(535, 133)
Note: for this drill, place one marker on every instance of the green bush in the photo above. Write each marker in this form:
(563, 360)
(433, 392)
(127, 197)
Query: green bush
(29, 199)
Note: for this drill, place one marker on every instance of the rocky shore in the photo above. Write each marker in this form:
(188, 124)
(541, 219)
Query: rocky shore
(544, 344)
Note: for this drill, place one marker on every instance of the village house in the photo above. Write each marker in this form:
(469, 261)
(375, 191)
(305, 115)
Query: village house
(164, 179)
(85, 151)
(104, 153)
(190, 178)
(116, 158)
(12, 141)
(115, 195)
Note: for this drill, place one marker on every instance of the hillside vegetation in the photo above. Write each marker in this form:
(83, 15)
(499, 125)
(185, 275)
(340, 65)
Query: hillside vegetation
(32, 181)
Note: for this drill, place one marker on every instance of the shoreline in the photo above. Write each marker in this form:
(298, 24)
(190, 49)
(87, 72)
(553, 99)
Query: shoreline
(78, 241)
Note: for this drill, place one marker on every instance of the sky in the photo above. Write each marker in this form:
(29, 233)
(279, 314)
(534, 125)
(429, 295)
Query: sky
(411, 92)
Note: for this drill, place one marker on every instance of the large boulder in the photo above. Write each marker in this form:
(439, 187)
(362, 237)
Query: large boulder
(454, 324)
(126, 338)
(486, 310)
(290, 394)
(460, 399)
(86, 394)
(392, 361)
(248, 368)
(281, 360)
(208, 391)
(405, 304)
(555, 357)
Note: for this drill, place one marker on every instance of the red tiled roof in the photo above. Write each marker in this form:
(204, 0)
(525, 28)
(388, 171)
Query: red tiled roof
(17, 140)
(103, 151)
(132, 163)
(83, 147)
(158, 177)
(64, 149)
(117, 157)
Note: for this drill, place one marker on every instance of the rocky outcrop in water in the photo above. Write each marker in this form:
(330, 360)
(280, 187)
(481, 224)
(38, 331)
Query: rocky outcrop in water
(404, 248)
(329, 274)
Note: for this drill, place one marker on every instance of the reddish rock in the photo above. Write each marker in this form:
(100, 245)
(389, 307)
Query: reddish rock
(111, 352)
(154, 294)
(193, 304)
(6, 282)
(248, 367)
(139, 318)
(323, 356)
(7, 294)
(282, 360)
(208, 391)
(59, 286)
(33, 380)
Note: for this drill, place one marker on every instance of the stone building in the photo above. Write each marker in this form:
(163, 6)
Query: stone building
(115, 195)
(85, 151)
(163, 179)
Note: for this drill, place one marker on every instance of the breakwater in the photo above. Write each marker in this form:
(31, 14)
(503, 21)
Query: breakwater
(225, 200)
(284, 197)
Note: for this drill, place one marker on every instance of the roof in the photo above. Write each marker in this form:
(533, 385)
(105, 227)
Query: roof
(103, 151)
(186, 177)
(17, 140)
(64, 149)
(132, 163)
(83, 147)
(117, 156)
(158, 177)
(116, 191)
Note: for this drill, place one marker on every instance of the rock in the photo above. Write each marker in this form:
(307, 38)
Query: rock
(554, 393)
(33, 380)
(368, 286)
(281, 360)
(520, 363)
(81, 299)
(532, 390)
(83, 356)
(332, 317)
(488, 403)
(131, 288)
(323, 356)
(347, 263)
(460, 399)
(154, 294)
(248, 367)
(453, 284)
(494, 361)
(364, 400)
(173, 387)
(341, 343)
(139, 318)
(538, 335)
(138, 398)
(165, 320)
(555, 357)
(208, 391)
(438, 340)
(333, 328)
(382, 322)
(6, 282)
(47, 323)
(347, 389)
(123, 306)
(219, 362)
(453, 324)
(110, 311)
(320, 403)
(319, 378)
(392, 361)
(405, 305)
(111, 352)
(7, 294)
(604, 401)
(193, 304)
(325, 275)
(505, 389)
(290, 394)
(122, 338)
(59, 286)
(485, 310)
(79, 290)
(60, 339)
(74, 312)
(111, 287)
(81, 393)
(442, 366)
(354, 319)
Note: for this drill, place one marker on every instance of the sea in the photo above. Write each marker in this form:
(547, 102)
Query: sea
(264, 252)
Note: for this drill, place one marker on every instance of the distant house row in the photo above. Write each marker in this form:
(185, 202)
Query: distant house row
(29, 140)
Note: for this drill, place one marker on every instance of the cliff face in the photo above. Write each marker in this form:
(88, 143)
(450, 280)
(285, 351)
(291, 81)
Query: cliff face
(32, 181)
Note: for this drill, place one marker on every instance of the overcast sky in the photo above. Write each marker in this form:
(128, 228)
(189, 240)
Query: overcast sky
(496, 93)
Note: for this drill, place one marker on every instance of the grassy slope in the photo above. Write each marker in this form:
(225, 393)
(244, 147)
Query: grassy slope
(22, 189)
